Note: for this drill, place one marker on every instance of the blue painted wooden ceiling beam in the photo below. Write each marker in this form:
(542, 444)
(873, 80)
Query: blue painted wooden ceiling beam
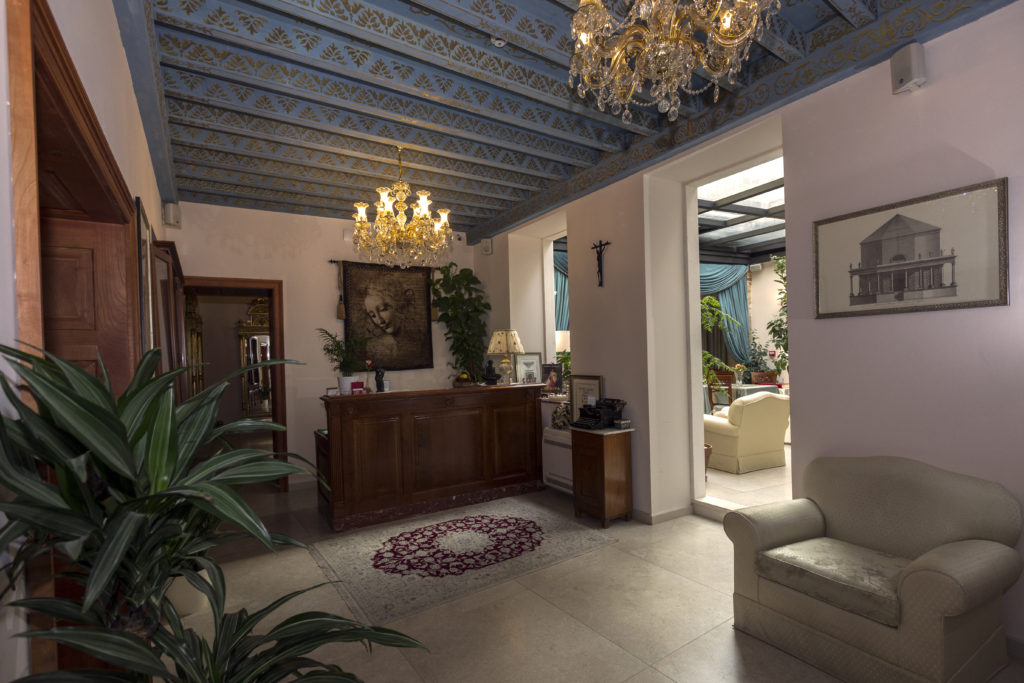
(329, 41)
(363, 187)
(381, 147)
(353, 162)
(857, 12)
(538, 28)
(342, 204)
(373, 173)
(205, 55)
(372, 124)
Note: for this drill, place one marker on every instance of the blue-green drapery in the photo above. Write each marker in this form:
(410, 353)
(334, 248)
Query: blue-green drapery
(561, 290)
(730, 284)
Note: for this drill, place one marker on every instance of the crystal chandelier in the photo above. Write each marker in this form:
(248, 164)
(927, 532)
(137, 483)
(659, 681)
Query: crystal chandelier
(664, 42)
(394, 239)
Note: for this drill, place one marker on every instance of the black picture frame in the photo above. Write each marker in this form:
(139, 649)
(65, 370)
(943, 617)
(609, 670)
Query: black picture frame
(551, 376)
(390, 309)
(940, 251)
(145, 255)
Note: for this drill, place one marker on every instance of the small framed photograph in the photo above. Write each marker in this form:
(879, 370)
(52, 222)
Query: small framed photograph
(584, 390)
(941, 251)
(551, 375)
(527, 367)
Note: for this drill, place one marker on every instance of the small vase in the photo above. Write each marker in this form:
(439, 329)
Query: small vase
(345, 385)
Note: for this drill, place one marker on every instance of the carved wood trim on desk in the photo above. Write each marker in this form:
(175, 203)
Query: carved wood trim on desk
(393, 454)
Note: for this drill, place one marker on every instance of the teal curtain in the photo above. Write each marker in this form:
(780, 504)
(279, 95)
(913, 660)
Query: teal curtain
(730, 284)
(561, 290)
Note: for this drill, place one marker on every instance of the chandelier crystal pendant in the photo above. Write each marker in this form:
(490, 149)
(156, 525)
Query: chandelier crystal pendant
(662, 42)
(395, 239)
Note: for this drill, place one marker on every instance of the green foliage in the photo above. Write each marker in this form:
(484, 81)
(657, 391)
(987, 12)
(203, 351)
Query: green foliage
(238, 654)
(778, 327)
(711, 317)
(759, 360)
(345, 356)
(564, 358)
(459, 299)
(117, 488)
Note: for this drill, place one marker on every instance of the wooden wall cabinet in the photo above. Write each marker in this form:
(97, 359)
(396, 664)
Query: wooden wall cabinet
(390, 455)
(602, 473)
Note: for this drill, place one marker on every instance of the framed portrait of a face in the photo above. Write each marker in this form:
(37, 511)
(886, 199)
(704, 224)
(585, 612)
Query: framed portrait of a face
(389, 309)
(551, 375)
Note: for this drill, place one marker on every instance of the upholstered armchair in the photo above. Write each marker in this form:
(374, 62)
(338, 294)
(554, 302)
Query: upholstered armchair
(751, 435)
(889, 570)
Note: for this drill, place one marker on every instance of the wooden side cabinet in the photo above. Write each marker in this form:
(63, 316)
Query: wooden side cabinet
(602, 473)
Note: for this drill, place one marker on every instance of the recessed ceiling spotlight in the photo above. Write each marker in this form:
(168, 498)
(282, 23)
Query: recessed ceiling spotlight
(498, 42)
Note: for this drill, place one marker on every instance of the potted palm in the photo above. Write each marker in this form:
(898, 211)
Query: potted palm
(126, 494)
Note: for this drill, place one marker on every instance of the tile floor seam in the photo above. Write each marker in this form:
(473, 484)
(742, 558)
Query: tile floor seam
(687, 643)
(644, 665)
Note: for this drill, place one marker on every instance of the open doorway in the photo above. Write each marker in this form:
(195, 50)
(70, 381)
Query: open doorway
(232, 323)
(741, 220)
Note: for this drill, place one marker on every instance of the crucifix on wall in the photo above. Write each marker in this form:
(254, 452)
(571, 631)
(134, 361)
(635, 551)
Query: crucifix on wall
(600, 246)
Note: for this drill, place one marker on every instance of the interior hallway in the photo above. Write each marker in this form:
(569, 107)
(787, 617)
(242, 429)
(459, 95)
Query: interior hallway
(652, 607)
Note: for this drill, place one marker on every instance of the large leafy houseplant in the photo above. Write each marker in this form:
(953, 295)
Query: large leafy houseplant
(458, 296)
(121, 490)
(778, 327)
(713, 317)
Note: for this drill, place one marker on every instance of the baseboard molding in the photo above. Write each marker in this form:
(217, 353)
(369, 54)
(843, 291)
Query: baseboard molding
(648, 518)
(1015, 648)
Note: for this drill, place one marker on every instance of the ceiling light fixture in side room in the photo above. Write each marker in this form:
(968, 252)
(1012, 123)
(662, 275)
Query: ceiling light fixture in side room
(395, 239)
(665, 42)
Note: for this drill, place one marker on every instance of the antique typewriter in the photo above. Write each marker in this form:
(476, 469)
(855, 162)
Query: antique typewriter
(602, 415)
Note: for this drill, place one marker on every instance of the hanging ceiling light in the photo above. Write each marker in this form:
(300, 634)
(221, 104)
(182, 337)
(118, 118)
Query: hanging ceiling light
(394, 239)
(664, 42)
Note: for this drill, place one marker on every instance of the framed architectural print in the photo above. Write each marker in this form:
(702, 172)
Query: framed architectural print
(584, 389)
(527, 368)
(945, 250)
(390, 309)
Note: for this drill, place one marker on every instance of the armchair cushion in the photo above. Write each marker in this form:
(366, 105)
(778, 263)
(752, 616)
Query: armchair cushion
(853, 578)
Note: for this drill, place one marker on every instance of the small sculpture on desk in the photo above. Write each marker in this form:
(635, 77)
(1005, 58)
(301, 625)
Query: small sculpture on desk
(378, 375)
(560, 416)
(491, 375)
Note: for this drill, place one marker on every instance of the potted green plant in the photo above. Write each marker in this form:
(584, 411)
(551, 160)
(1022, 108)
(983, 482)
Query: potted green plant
(711, 317)
(347, 356)
(761, 370)
(458, 296)
(778, 327)
(126, 494)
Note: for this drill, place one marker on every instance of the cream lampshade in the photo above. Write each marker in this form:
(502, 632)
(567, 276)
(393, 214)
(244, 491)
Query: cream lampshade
(505, 342)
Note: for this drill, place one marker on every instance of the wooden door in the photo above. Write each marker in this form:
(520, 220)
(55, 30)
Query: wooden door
(86, 307)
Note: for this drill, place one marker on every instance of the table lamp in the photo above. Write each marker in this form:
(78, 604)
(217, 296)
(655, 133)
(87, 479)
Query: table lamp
(505, 342)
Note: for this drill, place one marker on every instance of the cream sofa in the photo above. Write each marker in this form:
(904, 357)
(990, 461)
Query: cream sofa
(750, 436)
(889, 570)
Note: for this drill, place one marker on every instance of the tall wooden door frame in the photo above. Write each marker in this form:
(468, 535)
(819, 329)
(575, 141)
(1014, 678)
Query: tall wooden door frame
(273, 290)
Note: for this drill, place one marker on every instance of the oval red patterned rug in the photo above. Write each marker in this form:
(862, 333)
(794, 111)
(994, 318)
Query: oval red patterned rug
(456, 546)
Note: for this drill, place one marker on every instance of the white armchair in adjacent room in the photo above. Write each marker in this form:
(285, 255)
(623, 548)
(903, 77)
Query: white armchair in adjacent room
(751, 436)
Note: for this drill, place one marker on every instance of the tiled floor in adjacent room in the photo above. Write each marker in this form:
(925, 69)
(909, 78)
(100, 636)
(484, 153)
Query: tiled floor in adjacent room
(654, 606)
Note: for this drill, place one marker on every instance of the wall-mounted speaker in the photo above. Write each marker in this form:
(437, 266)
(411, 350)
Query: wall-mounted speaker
(172, 214)
(907, 66)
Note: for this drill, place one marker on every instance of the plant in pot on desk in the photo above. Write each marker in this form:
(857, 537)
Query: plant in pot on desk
(346, 357)
(459, 299)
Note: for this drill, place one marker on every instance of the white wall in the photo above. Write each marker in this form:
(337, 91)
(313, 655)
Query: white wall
(93, 39)
(217, 241)
(940, 386)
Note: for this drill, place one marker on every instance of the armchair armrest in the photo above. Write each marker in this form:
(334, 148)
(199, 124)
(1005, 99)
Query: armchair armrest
(762, 527)
(957, 577)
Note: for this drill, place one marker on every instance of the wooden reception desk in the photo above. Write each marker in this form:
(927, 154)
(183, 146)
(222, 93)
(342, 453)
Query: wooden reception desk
(390, 455)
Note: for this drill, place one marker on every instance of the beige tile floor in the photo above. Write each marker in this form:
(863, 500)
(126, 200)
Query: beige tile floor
(653, 607)
(752, 488)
